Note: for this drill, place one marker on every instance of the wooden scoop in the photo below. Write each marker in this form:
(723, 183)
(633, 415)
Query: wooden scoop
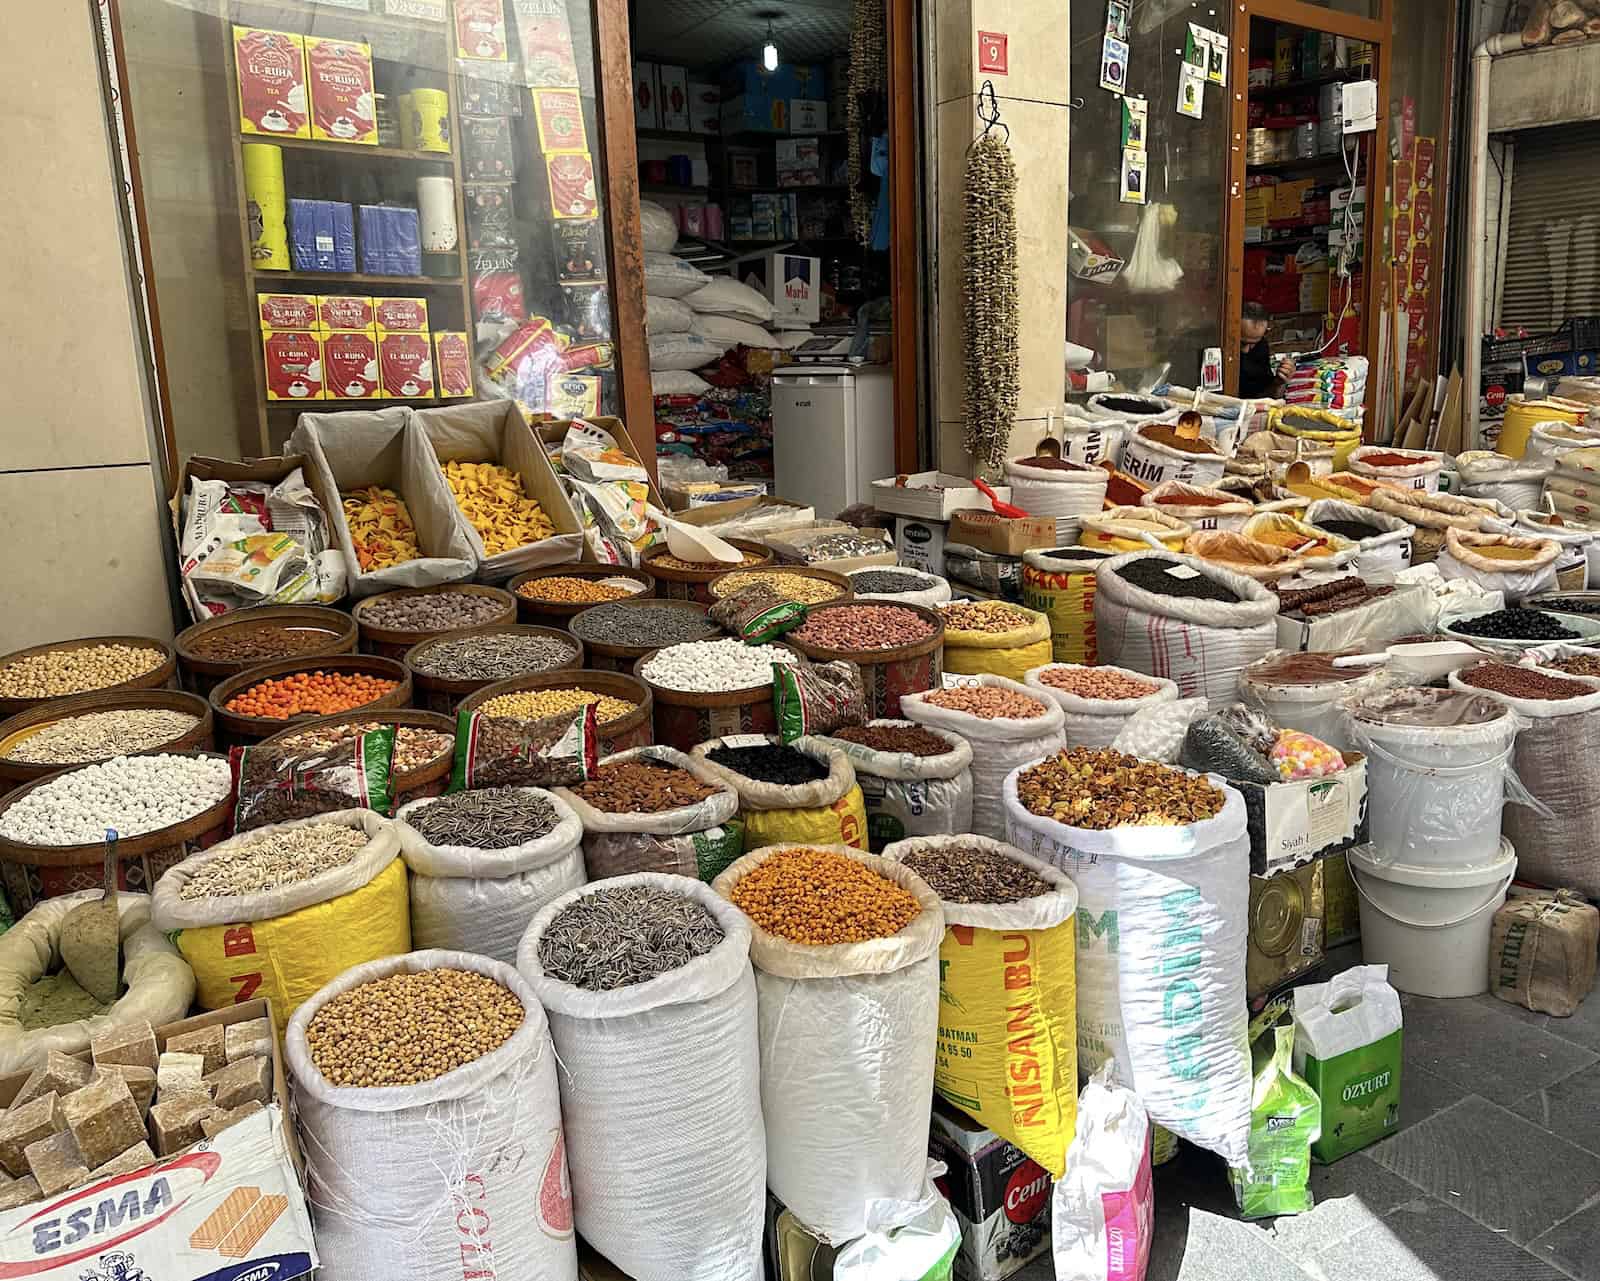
(91, 938)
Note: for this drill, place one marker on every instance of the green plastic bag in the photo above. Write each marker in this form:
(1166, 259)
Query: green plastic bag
(1285, 1120)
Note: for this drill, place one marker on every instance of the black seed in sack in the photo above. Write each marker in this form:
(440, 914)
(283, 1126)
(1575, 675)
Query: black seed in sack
(1156, 574)
(273, 784)
(817, 698)
(770, 763)
(757, 614)
(1213, 746)
(1354, 530)
(1515, 624)
(502, 751)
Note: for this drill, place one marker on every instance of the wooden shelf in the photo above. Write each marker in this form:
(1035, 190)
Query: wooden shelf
(361, 278)
(345, 402)
(1341, 76)
(347, 150)
(1315, 162)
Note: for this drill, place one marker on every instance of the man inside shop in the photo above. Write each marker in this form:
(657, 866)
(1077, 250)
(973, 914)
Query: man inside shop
(1260, 377)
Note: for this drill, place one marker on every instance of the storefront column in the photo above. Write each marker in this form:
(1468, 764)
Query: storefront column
(1033, 92)
(79, 514)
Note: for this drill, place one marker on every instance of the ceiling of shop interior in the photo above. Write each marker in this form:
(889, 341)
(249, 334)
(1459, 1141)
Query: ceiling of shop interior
(709, 33)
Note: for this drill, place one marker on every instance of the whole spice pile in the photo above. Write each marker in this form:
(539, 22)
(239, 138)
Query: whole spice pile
(130, 794)
(642, 626)
(987, 702)
(889, 582)
(1094, 682)
(975, 874)
(818, 897)
(911, 739)
(1167, 577)
(261, 642)
(563, 589)
(858, 627)
(1572, 604)
(642, 786)
(1515, 624)
(786, 583)
(1579, 665)
(1329, 598)
(625, 934)
(536, 704)
(1104, 789)
(57, 672)
(491, 818)
(770, 763)
(269, 860)
(381, 528)
(1523, 682)
(413, 747)
(846, 545)
(493, 500)
(984, 616)
(715, 667)
(96, 736)
(431, 612)
(666, 560)
(316, 693)
(1354, 530)
(410, 1028)
(493, 656)
(990, 313)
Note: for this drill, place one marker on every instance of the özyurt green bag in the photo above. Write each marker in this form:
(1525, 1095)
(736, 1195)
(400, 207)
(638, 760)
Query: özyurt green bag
(1285, 1120)
(1347, 1047)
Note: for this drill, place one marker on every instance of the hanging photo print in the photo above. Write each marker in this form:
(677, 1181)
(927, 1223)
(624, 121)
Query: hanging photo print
(1114, 65)
(1191, 92)
(1134, 111)
(1195, 45)
(1117, 14)
(1133, 176)
(1217, 58)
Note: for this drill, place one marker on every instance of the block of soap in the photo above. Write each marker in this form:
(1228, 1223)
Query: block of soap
(208, 1042)
(19, 1127)
(177, 1072)
(252, 1037)
(141, 1083)
(103, 1118)
(19, 1192)
(131, 1043)
(135, 1158)
(175, 1123)
(217, 1122)
(242, 1081)
(61, 1074)
(57, 1164)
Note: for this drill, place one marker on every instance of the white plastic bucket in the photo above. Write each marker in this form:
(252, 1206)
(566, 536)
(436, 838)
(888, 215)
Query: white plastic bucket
(1312, 709)
(1431, 926)
(1436, 792)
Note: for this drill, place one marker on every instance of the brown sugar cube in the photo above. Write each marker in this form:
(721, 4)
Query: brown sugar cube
(252, 1037)
(19, 1192)
(57, 1164)
(135, 1158)
(103, 1118)
(177, 1072)
(250, 1229)
(31, 1122)
(133, 1044)
(141, 1083)
(241, 1081)
(208, 1042)
(61, 1074)
(175, 1123)
(224, 1218)
(219, 1121)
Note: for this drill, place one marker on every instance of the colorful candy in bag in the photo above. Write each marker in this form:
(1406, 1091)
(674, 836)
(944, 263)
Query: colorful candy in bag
(1298, 755)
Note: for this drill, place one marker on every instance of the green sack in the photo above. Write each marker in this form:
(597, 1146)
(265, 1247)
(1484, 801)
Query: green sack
(1285, 1120)
(1347, 1047)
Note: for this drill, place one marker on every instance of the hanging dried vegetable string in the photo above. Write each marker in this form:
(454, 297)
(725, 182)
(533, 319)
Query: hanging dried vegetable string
(866, 107)
(989, 326)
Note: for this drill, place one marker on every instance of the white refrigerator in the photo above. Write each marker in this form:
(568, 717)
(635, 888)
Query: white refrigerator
(832, 433)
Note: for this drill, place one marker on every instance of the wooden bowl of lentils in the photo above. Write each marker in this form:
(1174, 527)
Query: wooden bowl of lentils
(424, 745)
(552, 595)
(93, 664)
(217, 648)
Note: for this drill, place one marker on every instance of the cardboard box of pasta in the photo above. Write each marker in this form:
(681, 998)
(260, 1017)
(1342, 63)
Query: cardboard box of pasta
(228, 1207)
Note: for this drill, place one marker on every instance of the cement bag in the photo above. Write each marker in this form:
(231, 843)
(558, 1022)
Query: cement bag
(1102, 1211)
(1556, 759)
(1008, 1054)
(1074, 489)
(1519, 567)
(661, 1099)
(1199, 506)
(828, 812)
(1575, 538)
(1347, 1049)
(1163, 926)
(1201, 645)
(1516, 482)
(359, 448)
(848, 1035)
(471, 900)
(1096, 722)
(696, 841)
(1133, 529)
(462, 1175)
(284, 944)
(999, 745)
(1059, 583)
(1008, 654)
(935, 591)
(160, 984)
(1389, 547)
(908, 795)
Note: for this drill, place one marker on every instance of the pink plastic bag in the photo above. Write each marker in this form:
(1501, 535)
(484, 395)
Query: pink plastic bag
(1103, 1214)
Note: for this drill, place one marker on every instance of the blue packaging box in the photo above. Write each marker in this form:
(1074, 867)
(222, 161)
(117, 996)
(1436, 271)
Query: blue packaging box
(755, 100)
(322, 235)
(391, 241)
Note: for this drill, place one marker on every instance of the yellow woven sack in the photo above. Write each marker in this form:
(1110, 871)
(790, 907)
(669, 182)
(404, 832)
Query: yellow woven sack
(828, 811)
(1010, 654)
(842, 823)
(1007, 1052)
(1060, 585)
(1130, 529)
(1328, 429)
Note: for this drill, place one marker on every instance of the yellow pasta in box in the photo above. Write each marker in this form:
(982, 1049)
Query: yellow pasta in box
(381, 528)
(493, 500)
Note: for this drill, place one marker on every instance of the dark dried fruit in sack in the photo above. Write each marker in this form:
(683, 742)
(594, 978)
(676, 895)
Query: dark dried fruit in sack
(1523, 682)
(1105, 789)
(975, 874)
(1155, 574)
(770, 763)
(1515, 624)
(642, 786)
(911, 739)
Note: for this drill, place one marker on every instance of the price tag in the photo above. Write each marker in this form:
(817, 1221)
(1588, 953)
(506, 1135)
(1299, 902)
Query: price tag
(1183, 571)
(324, 244)
(746, 740)
(953, 680)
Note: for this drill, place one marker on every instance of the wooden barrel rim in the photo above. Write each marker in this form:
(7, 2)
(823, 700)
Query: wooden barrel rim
(372, 635)
(606, 649)
(155, 678)
(421, 680)
(831, 576)
(61, 709)
(414, 718)
(875, 657)
(259, 727)
(341, 626)
(671, 574)
(617, 684)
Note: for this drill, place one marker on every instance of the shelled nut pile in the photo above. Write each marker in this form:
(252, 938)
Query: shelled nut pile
(642, 786)
(1096, 682)
(983, 616)
(787, 584)
(864, 627)
(1100, 789)
(911, 739)
(58, 672)
(988, 702)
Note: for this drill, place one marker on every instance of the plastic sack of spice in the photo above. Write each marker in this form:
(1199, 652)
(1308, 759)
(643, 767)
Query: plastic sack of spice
(1285, 1120)
(285, 942)
(828, 809)
(504, 751)
(817, 698)
(757, 614)
(1102, 1211)
(274, 783)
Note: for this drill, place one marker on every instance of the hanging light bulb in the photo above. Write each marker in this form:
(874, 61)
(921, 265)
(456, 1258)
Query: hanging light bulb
(769, 51)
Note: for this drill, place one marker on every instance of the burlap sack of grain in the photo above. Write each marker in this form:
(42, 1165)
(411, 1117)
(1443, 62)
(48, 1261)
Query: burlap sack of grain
(1542, 950)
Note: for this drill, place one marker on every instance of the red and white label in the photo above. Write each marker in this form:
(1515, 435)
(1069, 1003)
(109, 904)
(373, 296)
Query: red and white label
(287, 311)
(401, 315)
(572, 185)
(453, 364)
(340, 73)
(348, 312)
(481, 30)
(272, 81)
(992, 55)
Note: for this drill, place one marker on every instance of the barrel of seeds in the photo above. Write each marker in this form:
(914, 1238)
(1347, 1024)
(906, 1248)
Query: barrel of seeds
(623, 705)
(447, 668)
(1059, 583)
(390, 623)
(898, 648)
(705, 689)
(679, 579)
(88, 728)
(212, 650)
(550, 597)
(618, 634)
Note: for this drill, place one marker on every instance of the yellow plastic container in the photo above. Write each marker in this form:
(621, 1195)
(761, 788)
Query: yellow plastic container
(1522, 416)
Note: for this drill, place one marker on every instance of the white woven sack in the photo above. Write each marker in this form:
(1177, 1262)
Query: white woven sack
(1386, 551)
(472, 900)
(1044, 491)
(669, 352)
(1096, 722)
(1422, 474)
(848, 1032)
(1163, 926)
(936, 591)
(466, 1173)
(1575, 542)
(661, 1097)
(1153, 463)
(667, 316)
(1550, 439)
(1516, 482)
(677, 382)
(668, 277)
(1098, 440)
(998, 745)
(1201, 645)
(908, 795)
(1458, 559)
(658, 228)
(725, 296)
(1108, 406)
(729, 332)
